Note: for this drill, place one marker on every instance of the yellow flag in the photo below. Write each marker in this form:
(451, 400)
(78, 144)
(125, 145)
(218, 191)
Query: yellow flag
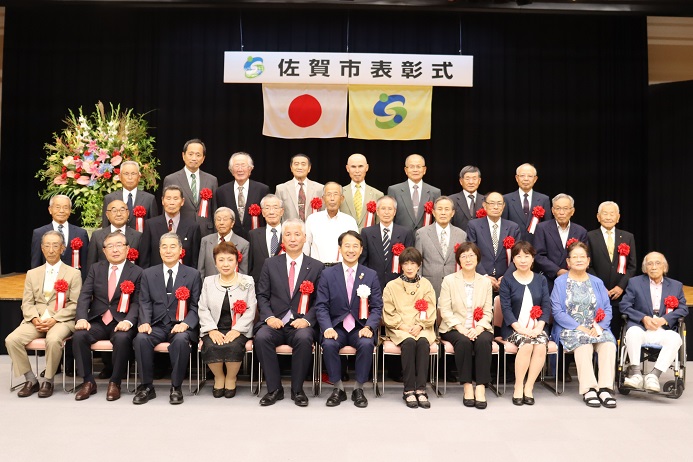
(390, 112)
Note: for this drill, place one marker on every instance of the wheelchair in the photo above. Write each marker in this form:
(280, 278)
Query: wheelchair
(671, 389)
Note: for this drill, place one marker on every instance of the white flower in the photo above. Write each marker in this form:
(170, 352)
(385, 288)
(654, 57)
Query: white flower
(363, 291)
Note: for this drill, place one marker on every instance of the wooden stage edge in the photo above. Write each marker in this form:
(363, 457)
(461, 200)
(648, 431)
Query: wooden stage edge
(12, 287)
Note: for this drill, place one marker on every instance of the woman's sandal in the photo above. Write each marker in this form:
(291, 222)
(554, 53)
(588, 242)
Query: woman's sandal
(422, 398)
(591, 399)
(606, 399)
(410, 399)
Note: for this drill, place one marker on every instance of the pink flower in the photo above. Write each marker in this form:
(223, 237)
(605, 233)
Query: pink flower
(68, 160)
(116, 160)
(92, 146)
(71, 174)
(103, 155)
(59, 180)
(83, 180)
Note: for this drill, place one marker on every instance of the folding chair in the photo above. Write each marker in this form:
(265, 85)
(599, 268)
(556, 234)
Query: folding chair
(351, 351)
(36, 346)
(100, 346)
(286, 350)
(202, 366)
(163, 348)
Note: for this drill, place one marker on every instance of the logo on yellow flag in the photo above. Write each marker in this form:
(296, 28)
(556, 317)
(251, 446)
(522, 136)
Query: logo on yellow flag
(381, 107)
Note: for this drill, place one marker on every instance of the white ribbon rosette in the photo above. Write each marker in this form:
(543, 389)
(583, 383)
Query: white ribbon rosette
(363, 292)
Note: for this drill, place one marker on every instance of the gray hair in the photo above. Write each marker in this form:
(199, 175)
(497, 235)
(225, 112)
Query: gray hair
(225, 209)
(394, 201)
(172, 187)
(270, 197)
(560, 196)
(443, 198)
(295, 221)
(470, 169)
(171, 236)
(131, 162)
(50, 201)
(115, 234)
(241, 153)
(605, 203)
(644, 263)
(195, 141)
(53, 232)
(412, 155)
(526, 164)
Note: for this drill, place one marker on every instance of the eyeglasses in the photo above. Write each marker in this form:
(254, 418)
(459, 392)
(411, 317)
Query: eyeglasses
(117, 211)
(525, 176)
(467, 256)
(114, 246)
(651, 264)
(494, 204)
(129, 174)
(63, 208)
(271, 207)
(51, 246)
(563, 209)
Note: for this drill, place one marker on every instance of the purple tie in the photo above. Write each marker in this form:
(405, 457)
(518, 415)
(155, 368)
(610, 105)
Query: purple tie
(349, 321)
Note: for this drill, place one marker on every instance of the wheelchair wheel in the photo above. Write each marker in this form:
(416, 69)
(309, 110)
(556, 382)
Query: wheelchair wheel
(669, 388)
(623, 390)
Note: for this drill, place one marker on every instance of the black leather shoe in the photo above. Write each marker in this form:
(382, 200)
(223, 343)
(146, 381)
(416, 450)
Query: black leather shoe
(176, 396)
(272, 397)
(469, 402)
(218, 392)
(480, 404)
(300, 399)
(229, 393)
(528, 400)
(359, 398)
(336, 398)
(46, 390)
(28, 389)
(143, 395)
(518, 401)
(422, 398)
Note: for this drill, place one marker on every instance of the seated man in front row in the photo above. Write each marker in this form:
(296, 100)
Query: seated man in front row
(653, 304)
(349, 306)
(48, 311)
(168, 313)
(104, 313)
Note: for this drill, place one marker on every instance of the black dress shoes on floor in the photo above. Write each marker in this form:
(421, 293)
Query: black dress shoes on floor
(300, 399)
(336, 398)
(272, 397)
(359, 398)
(176, 396)
(143, 395)
(229, 393)
(528, 400)
(218, 392)
(518, 401)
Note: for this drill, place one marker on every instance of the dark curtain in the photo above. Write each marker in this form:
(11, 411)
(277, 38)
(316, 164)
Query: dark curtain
(567, 93)
(670, 167)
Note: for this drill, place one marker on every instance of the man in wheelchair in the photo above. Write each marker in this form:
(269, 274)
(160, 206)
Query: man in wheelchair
(653, 304)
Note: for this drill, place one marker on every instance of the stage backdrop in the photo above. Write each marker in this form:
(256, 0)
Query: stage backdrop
(567, 93)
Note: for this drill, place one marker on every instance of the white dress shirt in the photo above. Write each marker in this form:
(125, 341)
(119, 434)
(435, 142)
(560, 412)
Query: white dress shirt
(125, 196)
(389, 231)
(563, 233)
(529, 198)
(65, 231)
(268, 237)
(439, 230)
(411, 188)
(322, 233)
(656, 295)
(363, 192)
(188, 174)
(605, 234)
(490, 228)
(175, 272)
(50, 278)
(245, 192)
(122, 229)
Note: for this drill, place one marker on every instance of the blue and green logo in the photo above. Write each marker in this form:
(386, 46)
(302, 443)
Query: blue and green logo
(384, 108)
(253, 67)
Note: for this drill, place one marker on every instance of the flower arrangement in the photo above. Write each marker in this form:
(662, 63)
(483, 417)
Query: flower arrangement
(83, 160)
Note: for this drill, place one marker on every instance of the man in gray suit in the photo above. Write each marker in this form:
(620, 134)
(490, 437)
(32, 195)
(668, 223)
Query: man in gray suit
(467, 201)
(192, 180)
(224, 219)
(436, 243)
(297, 193)
(358, 194)
(117, 215)
(412, 195)
(130, 178)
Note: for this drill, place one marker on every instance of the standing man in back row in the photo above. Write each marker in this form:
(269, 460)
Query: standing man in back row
(413, 194)
(297, 193)
(358, 194)
(467, 201)
(520, 205)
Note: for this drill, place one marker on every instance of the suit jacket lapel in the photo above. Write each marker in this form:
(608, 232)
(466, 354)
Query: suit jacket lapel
(517, 205)
(555, 237)
(425, 197)
(349, 200)
(182, 180)
(433, 235)
(293, 197)
(406, 199)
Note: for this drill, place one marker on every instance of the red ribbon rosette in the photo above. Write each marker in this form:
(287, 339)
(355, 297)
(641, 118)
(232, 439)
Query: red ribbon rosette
(457, 263)
(508, 244)
(282, 249)
(306, 288)
(421, 306)
(481, 213)
(534, 314)
(671, 303)
(477, 316)
(182, 295)
(126, 289)
(238, 263)
(537, 214)
(239, 307)
(133, 254)
(60, 288)
(396, 252)
(75, 245)
(254, 211)
(140, 212)
(370, 213)
(316, 204)
(205, 196)
(598, 317)
(428, 213)
(623, 251)
(570, 242)
(182, 256)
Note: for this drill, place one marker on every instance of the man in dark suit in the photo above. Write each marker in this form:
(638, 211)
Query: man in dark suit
(170, 221)
(488, 234)
(467, 201)
(412, 195)
(104, 314)
(349, 307)
(240, 194)
(117, 215)
(164, 318)
(279, 300)
(603, 246)
(379, 239)
(130, 195)
(520, 204)
(265, 241)
(651, 318)
(191, 181)
(60, 208)
(552, 237)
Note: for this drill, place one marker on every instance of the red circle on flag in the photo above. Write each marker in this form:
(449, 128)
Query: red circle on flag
(305, 110)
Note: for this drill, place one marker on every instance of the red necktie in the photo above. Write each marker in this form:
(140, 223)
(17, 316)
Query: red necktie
(292, 277)
(170, 225)
(107, 317)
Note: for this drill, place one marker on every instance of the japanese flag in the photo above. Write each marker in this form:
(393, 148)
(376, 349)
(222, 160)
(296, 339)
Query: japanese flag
(304, 111)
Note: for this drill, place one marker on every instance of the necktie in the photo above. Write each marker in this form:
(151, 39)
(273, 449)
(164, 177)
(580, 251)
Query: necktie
(193, 188)
(415, 199)
(349, 321)
(130, 204)
(60, 229)
(444, 242)
(610, 244)
(358, 202)
(472, 206)
(107, 317)
(221, 239)
(494, 238)
(525, 205)
(274, 243)
(292, 277)
(386, 242)
(170, 225)
(241, 204)
(48, 283)
(169, 282)
(301, 202)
